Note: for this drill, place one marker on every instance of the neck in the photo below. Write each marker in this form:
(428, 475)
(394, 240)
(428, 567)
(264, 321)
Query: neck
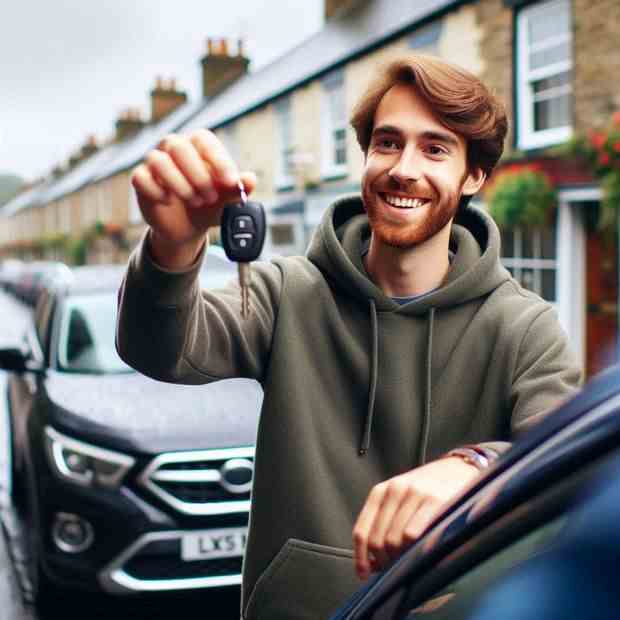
(412, 271)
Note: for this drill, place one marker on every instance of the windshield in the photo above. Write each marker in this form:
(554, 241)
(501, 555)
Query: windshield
(86, 340)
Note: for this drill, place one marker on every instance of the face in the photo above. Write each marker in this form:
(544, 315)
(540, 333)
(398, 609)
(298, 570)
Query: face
(415, 171)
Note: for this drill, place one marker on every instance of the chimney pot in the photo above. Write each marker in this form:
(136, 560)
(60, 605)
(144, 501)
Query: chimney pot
(159, 82)
(240, 47)
(210, 46)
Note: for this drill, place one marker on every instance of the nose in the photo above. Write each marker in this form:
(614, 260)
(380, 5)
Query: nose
(407, 169)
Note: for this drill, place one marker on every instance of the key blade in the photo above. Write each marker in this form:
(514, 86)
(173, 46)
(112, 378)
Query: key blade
(244, 196)
(244, 283)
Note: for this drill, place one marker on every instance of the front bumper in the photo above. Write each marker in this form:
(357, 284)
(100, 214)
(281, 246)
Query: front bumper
(137, 532)
(152, 564)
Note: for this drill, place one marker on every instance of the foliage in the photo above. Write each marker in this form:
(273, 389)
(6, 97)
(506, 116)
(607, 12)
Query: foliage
(520, 195)
(601, 151)
(77, 250)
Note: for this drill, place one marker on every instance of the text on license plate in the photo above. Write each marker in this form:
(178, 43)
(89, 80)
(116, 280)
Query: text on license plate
(211, 544)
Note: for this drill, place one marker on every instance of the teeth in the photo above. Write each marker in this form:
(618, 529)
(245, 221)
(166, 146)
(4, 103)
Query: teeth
(409, 203)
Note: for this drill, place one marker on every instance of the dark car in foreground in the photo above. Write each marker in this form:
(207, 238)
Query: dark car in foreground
(119, 482)
(537, 537)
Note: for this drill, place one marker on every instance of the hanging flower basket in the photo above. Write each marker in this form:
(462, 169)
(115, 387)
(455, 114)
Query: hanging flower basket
(521, 195)
(601, 152)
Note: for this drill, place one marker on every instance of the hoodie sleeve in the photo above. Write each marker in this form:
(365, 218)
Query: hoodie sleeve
(171, 330)
(545, 375)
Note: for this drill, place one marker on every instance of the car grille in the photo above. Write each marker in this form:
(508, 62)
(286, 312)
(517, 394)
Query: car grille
(202, 482)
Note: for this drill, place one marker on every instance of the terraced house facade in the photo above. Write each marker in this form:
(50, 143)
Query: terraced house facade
(553, 62)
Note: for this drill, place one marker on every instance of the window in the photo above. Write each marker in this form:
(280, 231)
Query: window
(282, 234)
(530, 256)
(334, 123)
(544, 70)
(284, 173)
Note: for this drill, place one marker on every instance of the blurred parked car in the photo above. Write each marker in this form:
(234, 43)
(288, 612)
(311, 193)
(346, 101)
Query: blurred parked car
(535, 538)
(36, 276)
(120, 482)
(9, 272)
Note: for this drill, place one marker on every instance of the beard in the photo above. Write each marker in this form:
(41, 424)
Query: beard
(437, 214)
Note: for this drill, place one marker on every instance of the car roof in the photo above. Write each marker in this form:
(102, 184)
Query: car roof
(89, 279)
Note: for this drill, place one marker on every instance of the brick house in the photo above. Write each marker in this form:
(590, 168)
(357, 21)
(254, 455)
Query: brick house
(553, 62)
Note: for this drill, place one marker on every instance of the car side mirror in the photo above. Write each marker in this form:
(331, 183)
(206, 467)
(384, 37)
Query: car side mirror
(16, 360)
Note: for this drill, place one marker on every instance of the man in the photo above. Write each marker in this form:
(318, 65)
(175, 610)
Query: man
(397, 339)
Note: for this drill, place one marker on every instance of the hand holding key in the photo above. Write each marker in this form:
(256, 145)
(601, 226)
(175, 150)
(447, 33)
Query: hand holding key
(182, 187)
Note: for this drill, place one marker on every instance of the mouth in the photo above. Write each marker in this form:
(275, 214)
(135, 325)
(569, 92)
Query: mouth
(401, 202)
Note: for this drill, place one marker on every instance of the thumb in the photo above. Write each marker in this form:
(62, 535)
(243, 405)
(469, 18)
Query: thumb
(249, 181)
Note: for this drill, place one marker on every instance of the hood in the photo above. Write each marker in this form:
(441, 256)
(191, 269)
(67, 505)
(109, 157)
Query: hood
(132, 412)
(336, 249)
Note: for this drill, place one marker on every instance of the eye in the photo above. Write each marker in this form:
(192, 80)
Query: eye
(435, 149)
(386, 144)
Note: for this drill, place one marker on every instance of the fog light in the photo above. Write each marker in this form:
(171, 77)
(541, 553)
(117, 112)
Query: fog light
(71, 533)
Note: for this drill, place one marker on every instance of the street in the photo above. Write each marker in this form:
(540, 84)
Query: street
(73, 605)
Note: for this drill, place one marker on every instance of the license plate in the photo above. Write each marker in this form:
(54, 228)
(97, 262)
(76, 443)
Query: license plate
(212, 544)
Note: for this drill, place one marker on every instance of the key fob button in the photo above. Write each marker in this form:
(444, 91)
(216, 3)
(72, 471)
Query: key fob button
(242, 240)
(243, 223)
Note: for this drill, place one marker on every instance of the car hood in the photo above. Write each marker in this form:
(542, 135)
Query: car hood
(133, 412)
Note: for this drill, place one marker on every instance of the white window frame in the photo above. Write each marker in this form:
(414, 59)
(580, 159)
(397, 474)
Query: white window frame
(519, 263)
(527, 137)
(330, 125)
(283, 112)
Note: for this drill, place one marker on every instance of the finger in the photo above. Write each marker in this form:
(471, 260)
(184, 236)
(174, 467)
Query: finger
(191, 165)
(249, 181)
(395, 536)
(161, 165)
(397, 494)
(144, 183)
(419, 522)
(362, 529)
(214, 153)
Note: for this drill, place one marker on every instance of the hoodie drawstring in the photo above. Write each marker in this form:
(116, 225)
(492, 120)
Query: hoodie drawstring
(427, 394)
(374, 371)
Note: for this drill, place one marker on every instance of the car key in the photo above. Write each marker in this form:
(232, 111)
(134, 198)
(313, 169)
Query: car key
(243, 236)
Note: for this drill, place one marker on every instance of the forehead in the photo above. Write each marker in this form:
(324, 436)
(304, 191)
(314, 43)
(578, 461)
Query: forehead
(403, 108)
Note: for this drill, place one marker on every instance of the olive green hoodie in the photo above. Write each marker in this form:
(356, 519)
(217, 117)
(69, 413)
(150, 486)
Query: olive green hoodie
(357, 388)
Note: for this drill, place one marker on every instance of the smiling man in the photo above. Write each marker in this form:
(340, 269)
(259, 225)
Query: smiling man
(398, 357)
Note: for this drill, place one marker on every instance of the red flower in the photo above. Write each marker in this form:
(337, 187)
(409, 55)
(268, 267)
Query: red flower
(603, 159)
(616, 119)
(598, 139)
(617, 146)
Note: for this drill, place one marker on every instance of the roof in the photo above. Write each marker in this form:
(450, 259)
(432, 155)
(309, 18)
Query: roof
(367, 25)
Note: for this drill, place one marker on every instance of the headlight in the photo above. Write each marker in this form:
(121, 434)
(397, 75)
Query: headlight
(83, 463)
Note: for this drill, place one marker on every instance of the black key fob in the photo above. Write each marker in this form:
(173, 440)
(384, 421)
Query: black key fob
(243, 230)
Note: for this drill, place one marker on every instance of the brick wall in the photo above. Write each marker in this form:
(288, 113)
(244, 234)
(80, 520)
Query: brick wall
(597, 61)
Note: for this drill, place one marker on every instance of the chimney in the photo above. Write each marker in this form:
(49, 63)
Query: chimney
(334, 8)
(90, 147)
(220, 68)
(165, 98)
(128, 124)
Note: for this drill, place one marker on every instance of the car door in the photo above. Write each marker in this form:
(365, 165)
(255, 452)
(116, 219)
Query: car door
(521, 517)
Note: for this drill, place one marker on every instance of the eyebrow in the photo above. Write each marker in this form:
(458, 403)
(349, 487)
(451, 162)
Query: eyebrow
(439, 136)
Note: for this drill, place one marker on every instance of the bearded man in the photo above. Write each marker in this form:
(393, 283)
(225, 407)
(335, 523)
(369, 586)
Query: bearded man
(397, 358)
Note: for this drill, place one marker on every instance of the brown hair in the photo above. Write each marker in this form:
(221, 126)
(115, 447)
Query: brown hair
(459, 99)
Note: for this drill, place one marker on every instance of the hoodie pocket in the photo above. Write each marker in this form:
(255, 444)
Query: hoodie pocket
(305, 581)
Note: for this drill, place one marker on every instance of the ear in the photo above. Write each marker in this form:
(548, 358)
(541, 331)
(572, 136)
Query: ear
(474, 182)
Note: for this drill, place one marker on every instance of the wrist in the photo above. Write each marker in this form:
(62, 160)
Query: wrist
(469, 455)
(174, 255)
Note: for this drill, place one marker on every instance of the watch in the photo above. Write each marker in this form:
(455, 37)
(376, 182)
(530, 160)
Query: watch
(471, 457)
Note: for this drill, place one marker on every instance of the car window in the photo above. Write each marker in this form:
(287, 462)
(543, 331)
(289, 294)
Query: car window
(43, 315)
(459, 598)
(87, 331)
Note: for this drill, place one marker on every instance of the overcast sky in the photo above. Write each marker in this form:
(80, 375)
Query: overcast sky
(68, 67)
